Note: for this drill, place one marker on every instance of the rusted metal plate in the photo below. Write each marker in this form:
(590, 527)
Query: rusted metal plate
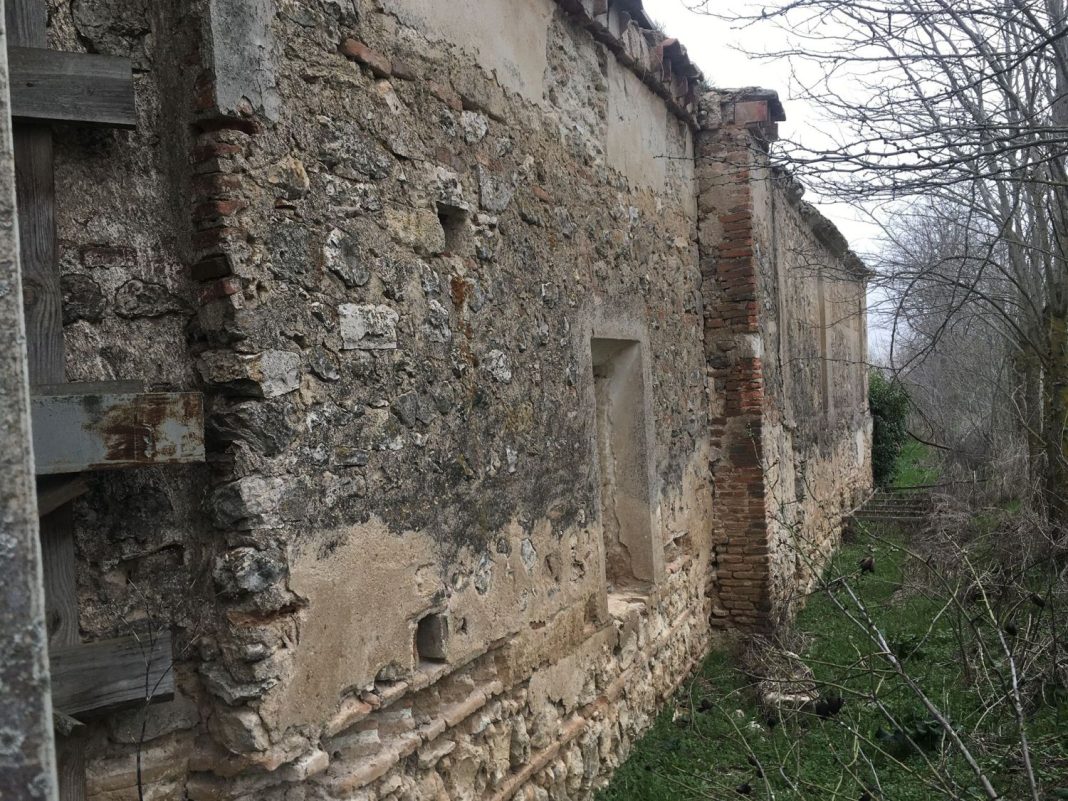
(99, 430)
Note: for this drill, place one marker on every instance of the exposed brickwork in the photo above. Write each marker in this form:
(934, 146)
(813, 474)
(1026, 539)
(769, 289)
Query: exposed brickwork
(380, 65)
(759, 534)
(725, 209)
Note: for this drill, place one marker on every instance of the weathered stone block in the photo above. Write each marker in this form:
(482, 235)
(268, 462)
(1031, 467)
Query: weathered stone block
(146, 299)
(250, 502)
(368, 327)
(437, 326)
(82, 299)
(157, 720)
(341, 255)
(291, 178)
(419, 229)
(498, 365)
(220, 683)
(248, 570)
(239, 729)
(495, 191)
(263, 375)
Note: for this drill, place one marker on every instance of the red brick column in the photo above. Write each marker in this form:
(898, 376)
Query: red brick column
(726, 148)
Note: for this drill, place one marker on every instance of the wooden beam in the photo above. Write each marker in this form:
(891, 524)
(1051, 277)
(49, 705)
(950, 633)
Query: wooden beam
(98, 430)
(27, 22)
(83, 88)
(109, 674)
(61, 614)
(55, 491)
(35, 191)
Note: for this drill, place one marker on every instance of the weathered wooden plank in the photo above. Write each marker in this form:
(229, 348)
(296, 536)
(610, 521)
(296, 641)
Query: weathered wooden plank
(110, 674)
(55, 491)
(99, 431)
(61, 615)
(83, 88)
(27, 26)
(35, 191)
(61, 596)
(27, 23)
(70, 761)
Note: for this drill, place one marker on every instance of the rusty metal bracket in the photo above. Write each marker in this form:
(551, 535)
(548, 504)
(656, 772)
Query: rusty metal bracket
(107, 426)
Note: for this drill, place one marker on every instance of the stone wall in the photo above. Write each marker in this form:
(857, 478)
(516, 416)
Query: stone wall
(445, 277)
(817, 427)
(385, 262)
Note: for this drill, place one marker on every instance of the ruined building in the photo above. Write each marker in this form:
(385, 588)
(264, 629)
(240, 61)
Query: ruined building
(418, 388)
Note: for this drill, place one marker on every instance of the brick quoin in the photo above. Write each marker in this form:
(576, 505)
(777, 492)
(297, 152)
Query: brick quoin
(729, 270)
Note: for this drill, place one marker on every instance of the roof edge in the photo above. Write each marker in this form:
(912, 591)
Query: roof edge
(660, 61)
(825, 231)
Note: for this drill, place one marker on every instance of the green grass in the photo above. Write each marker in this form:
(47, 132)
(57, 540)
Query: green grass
(700, 746)
(915, 466)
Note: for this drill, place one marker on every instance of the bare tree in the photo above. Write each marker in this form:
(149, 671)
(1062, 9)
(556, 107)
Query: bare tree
(955, 111)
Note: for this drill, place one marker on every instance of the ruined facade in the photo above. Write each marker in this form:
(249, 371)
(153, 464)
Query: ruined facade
(525, 374)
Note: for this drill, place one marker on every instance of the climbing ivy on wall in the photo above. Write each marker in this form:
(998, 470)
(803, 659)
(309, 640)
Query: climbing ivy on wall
(889, 404)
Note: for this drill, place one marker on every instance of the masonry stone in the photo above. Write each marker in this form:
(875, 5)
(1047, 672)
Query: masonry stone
(419, 229)
(342, 257)
(268, 374)
(495, 191)
(368, 327)
(248, 570)
(138, 298)
(249, 502)
(83, 299)
(387, 240)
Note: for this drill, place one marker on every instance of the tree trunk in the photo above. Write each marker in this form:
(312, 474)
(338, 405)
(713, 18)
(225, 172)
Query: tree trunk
(1055, 396)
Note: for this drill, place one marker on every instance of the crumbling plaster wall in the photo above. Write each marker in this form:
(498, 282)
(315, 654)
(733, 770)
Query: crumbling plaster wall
(816, 424)
(508, 40)
(380, 239)
(382, 255)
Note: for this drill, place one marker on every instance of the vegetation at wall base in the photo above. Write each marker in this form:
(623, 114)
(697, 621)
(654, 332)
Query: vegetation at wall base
(889, 404)
(716, 740)
(915, 466)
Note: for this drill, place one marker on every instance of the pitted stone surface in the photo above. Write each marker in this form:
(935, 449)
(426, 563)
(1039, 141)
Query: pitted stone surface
(368, 327)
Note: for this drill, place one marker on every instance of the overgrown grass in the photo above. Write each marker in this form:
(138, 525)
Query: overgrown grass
(915, 466)
(708, 742)
(704, 743)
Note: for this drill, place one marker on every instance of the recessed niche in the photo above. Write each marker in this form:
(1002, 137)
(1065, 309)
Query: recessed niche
(633, 557)
(432, 638)
(454, 222)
